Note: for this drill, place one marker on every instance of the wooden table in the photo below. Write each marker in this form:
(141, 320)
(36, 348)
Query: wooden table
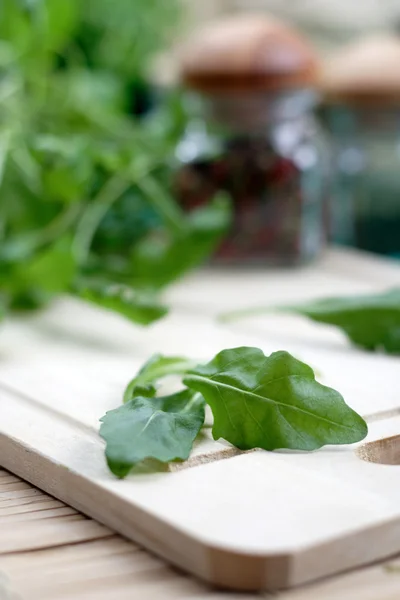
(50, 551)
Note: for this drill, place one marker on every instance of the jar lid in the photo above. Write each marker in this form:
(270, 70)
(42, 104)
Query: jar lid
(248, 53)
(364, 73)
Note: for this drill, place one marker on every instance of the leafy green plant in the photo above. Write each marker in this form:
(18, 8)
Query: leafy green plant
(84, 202)
(370, 321)
(257, 401)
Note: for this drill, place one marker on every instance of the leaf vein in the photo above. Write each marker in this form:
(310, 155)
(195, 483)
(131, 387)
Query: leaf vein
(271, 400)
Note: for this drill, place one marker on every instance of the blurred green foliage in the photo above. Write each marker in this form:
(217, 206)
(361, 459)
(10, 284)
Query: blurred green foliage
(84, 201)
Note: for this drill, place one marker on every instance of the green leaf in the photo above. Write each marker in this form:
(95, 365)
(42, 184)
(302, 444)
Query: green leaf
(159, 428)
(370, 321)
(139, 308)
(136, 30)
(66, 167)
(32, 283)
(273, 402)
(61, 18)
(80, 159)
(148, 391)
(156, 368)
(161, 258)
(52, 270)
(3, 308)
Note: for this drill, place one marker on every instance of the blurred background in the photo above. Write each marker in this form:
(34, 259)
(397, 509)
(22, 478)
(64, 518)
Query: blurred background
(328, 23)
(139, 139)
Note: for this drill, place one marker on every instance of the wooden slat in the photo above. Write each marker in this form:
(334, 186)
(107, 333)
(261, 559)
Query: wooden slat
(44, 504)
(50, 533)
(84, 560)
(20, 502)
(17, 494)
(78, 567)
(39, 515)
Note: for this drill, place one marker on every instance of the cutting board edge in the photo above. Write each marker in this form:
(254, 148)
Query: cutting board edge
(220, 567)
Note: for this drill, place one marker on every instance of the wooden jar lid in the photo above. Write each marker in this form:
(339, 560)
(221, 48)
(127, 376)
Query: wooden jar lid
(365, 73)
(248, 53)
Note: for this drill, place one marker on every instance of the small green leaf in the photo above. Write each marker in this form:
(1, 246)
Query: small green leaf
(159, 428)
(370, 321)
(273, 402)
(66, 167)
(160, 258)
(36, 280)
(148, 391)
(3, 308)
(157, 367)
(136, 307)
(52, 270)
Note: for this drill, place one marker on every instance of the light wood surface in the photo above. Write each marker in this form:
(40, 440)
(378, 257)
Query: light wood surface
(254, 520)
(52, 559)
(49, 552)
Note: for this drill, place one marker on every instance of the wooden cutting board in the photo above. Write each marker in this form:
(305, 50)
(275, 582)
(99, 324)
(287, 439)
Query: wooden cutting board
(239, 520)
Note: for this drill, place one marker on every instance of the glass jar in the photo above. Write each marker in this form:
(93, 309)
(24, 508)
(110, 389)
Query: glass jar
(252, 134)
(366, 180)
(361, 90)
(268, 153)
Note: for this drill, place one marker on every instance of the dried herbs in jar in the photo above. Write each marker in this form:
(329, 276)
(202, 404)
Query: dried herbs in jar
(252, 134)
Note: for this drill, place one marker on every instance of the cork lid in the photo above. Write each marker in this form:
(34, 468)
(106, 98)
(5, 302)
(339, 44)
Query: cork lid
(247, 53)
(367, 72)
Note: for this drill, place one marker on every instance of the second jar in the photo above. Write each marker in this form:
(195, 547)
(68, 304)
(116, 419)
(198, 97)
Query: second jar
(361, 85)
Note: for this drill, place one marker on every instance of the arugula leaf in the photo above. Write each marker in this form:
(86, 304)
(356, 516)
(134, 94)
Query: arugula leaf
(273, 402)
(161, 258)
(371, 321)
(38, 279)
(160, 428)
(136, 30)
(137, 307)
(66, 166)
(52, 270)
(157, 367)
(148, 391)
(3, 308)
(257, 401)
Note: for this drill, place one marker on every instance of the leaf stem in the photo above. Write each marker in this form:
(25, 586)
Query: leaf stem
(164, 204)
(236, 315)
(196, 398)
(4, 148)
(59, 225)
(94, 214)
(36, 240)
